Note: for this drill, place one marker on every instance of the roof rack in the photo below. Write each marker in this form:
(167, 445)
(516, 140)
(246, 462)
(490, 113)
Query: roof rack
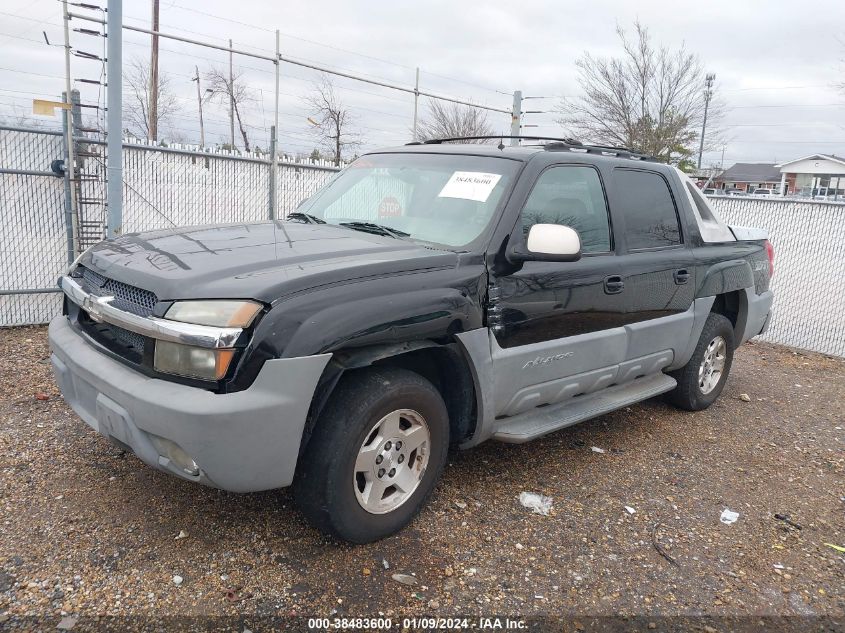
(602, 150)
(557, 144)
(492, 137)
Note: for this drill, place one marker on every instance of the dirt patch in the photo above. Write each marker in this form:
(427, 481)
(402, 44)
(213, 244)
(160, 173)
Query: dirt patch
(90, 530)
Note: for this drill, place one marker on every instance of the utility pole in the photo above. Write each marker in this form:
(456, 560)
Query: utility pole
(199, 104)
(416, 103)
(516, 116)
(154, 76)
(231, 98)
(708, 94)
(114, 119)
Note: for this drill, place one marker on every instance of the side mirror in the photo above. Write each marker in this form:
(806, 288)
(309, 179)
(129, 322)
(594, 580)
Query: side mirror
(548, 243)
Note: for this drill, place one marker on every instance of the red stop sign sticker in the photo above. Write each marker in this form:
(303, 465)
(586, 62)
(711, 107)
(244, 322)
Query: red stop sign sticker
(389, 208)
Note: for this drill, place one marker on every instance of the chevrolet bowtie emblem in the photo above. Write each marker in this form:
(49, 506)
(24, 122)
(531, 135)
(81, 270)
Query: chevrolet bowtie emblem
(93, 306)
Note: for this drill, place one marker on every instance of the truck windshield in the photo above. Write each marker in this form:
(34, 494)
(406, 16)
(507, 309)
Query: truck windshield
(446, 199)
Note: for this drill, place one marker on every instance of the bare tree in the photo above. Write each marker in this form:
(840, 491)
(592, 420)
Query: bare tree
(332, 122)
(137, 117)
(452, 120)
(649, 99)
(234, 93)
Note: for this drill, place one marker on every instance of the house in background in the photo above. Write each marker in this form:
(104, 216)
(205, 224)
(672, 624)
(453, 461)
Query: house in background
(749, 176)
(818, 175)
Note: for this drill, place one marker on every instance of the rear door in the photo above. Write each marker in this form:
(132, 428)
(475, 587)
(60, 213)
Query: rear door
(658, 264)
(552, 321)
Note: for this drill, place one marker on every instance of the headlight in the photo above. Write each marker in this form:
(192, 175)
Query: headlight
(219, 313)
(194, 362)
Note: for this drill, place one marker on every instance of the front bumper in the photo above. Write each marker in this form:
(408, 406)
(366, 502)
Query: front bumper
(242, 442)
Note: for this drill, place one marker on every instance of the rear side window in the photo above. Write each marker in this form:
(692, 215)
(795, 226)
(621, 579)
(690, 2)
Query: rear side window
(651, 218)
(570, 195)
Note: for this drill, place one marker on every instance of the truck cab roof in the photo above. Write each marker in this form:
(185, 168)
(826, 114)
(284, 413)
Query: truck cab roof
(537, 148)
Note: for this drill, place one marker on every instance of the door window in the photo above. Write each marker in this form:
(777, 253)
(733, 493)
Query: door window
(651, 219)
(570, 195)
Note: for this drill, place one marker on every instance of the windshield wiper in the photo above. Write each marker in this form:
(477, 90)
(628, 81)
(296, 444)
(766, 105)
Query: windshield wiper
(311, 219)
(372, 227)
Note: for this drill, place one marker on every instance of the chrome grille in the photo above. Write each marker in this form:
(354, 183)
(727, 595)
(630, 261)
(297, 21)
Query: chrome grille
(127, 298)
(129, 343)
(128, 339)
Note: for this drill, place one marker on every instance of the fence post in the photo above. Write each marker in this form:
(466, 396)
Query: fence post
(516, 116)
(273, 172)
(416, 103)
(70, 125)
(71, 249)
(114, 121)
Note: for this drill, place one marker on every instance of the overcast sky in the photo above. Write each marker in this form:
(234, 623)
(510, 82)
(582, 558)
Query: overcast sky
(776, 62)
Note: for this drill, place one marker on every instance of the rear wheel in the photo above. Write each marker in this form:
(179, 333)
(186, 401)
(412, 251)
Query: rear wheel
(702, 379)
(375, 455)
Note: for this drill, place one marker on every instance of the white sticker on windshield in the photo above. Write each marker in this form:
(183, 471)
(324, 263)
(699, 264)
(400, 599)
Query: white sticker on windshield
(470, 185)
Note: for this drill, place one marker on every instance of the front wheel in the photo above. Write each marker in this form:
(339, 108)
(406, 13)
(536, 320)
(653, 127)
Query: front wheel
(375, 455)
(702, 379)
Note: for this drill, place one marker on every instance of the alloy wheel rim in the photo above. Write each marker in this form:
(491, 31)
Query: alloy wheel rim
(392, 461)
(712, 365)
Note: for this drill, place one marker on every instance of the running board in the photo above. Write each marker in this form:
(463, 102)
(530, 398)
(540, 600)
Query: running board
(543, 420)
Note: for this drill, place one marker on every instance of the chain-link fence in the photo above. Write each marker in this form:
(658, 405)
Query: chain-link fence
(33, 238)
(163, 188)
(167, 187)
(809, 282)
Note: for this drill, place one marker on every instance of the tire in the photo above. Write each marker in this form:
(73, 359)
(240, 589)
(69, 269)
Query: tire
(695, 391)
(370, 413)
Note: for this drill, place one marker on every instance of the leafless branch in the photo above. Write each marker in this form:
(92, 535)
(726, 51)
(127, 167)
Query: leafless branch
(136, 111)
(332, 122)
(650, 99)
(228, 92)
(452, 120)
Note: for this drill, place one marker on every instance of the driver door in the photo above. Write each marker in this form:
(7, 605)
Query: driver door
(558, 327)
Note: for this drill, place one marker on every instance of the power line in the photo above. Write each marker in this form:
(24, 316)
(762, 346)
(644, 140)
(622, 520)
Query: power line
(336, 48)
(789, 105)
(778, 141)
(789, 124)
(762, 88)
(18, 37)
(28, 19)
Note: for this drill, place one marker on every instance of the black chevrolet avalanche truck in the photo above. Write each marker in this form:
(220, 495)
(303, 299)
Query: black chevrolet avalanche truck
(428, 296)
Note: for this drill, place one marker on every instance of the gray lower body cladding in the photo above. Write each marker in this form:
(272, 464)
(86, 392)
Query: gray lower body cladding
(242, 442)
(512, 383)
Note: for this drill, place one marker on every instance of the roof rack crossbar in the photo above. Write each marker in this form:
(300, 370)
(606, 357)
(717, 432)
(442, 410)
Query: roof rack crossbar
(492, 137)
(556, 144)
(605, 150)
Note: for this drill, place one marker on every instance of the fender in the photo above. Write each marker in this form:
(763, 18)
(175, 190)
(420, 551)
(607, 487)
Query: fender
(426, 305)
(442, 363)
(735, 274)
(388, 319)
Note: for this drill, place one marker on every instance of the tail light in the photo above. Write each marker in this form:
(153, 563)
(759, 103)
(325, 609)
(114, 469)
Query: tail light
(770, 253)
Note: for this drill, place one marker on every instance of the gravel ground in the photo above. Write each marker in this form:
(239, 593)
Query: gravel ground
(90, 531)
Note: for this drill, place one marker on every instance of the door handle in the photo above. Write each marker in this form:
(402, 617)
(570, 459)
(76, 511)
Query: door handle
(681, 276)
(613, 284)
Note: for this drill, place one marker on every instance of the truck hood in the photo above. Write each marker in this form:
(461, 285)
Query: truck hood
(264, 261)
